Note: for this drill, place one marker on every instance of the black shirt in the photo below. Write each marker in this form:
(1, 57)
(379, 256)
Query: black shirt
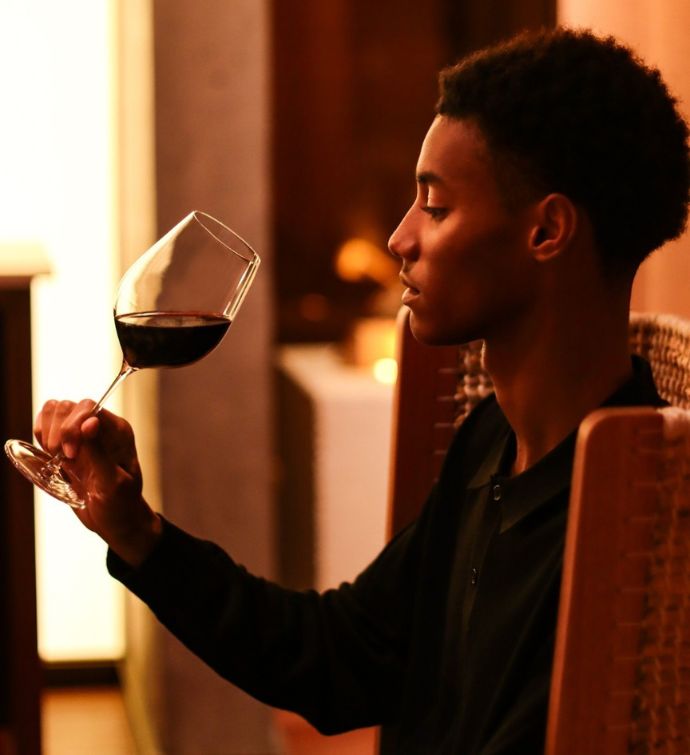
(446, 639)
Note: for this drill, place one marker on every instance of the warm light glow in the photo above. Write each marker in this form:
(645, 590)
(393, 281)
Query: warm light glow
(358, 259)
(56, 189)
(385, 370)
(371, 338)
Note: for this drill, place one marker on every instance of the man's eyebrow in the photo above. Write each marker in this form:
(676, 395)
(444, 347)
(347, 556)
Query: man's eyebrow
(428, 177)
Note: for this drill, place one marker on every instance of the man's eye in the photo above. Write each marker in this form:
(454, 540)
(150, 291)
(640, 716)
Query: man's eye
(436, 213)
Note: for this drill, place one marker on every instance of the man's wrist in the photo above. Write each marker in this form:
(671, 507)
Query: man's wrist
(135, 546)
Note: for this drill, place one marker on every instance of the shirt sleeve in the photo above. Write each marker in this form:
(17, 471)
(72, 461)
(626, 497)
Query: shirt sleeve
(336, 658)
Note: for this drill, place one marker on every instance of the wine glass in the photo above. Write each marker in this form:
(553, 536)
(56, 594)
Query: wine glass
(173, 306)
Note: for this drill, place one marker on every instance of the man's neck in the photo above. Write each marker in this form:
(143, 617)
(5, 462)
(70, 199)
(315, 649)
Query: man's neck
(549, 379)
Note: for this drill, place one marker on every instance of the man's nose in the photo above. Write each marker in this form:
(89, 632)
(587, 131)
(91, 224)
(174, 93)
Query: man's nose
(402, 242)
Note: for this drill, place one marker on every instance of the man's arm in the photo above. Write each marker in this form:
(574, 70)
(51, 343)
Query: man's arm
(336, 658)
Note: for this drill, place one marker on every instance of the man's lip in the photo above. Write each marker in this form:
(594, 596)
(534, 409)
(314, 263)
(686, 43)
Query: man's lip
(409, 294)
(409, 285)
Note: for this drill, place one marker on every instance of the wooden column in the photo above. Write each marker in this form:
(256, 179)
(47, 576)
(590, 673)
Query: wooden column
(212, 420)
(20, 673)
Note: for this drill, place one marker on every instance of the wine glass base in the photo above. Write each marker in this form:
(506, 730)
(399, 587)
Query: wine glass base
(32, 463)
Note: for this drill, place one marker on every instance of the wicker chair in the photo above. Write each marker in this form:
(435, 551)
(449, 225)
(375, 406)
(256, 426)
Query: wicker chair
(621, 681)
(664, 340)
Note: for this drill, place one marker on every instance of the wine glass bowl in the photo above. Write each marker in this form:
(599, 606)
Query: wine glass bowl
(177, 301)
(173, 306)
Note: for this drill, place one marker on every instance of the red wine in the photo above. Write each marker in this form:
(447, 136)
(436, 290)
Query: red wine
(168, 339)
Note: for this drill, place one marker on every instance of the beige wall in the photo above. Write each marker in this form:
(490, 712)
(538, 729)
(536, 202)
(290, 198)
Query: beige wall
(193, 103)
(142, 673)
(659, 31)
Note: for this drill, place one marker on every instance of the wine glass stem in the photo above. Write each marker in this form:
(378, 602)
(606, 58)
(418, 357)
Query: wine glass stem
(53, 466)
(125, 371)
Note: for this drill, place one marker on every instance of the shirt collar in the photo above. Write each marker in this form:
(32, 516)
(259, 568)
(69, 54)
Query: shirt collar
(550, 476)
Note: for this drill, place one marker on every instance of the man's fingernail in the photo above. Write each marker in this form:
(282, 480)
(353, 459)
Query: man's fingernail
(69, 449)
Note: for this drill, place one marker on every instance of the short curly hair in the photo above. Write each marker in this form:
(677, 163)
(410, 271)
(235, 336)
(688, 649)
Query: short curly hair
(566, 111)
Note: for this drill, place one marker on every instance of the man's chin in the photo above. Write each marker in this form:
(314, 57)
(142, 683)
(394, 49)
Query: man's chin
(430, 334)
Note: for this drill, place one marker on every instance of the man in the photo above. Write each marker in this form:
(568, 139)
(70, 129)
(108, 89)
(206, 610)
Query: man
(555, 164)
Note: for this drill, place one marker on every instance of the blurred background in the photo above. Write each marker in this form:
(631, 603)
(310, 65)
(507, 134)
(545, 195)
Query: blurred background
(298, 123)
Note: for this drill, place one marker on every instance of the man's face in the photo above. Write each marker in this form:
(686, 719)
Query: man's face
(465, 255)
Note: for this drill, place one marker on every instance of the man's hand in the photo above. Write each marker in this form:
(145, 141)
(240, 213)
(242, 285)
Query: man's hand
(101, 461)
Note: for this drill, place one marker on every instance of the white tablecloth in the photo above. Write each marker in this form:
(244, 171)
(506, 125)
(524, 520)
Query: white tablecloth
(351, 440)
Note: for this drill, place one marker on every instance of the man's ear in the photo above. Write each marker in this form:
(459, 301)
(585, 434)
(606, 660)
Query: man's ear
(555, 223)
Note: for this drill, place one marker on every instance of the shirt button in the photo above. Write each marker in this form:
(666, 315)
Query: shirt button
(475, 576)
(497, 492)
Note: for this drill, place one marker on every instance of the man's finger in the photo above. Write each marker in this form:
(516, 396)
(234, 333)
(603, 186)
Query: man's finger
(53, 424)
(70, 428)
(43, 420)
(90, 428)
(116, 436)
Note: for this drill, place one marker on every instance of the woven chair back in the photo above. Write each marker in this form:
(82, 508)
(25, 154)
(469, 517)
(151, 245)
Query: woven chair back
(664, 341)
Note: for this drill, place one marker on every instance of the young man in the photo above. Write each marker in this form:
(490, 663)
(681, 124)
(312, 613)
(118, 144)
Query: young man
(555, 164)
